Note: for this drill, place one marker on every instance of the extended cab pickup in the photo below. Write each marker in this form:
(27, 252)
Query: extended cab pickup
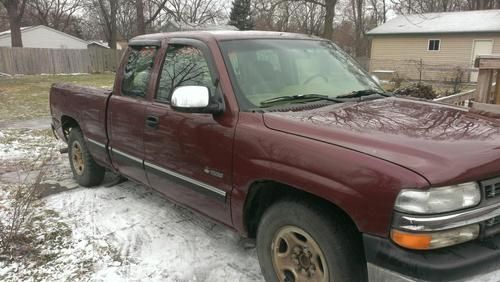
(283, 138)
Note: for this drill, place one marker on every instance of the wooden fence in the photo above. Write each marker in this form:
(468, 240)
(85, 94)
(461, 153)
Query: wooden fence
(54, 61)
(461, 99)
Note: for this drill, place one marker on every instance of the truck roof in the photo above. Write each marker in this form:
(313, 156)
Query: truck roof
(218, 35)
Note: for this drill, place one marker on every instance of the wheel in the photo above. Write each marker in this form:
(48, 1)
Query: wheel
(85, 170)
(300, 242)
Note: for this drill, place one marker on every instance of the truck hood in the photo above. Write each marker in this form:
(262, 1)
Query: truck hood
(444, 144)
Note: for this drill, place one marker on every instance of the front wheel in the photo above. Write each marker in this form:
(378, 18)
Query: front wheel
(299, 242)
(85, 170)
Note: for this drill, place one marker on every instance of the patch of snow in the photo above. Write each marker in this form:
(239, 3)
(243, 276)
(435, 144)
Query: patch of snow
(155, 239)
(23, 144)
(384, 71)
(38, 123)
(12, 151)
(73, 73)
(124, 233)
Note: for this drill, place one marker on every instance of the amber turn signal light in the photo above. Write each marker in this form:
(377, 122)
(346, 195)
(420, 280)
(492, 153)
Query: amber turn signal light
(435, 240)
(411, 240)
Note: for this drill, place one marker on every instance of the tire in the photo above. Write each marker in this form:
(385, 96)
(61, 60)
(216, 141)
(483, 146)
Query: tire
(340, 257)
(86, 171)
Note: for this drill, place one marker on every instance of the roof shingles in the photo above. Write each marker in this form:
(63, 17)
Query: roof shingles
(451, 22)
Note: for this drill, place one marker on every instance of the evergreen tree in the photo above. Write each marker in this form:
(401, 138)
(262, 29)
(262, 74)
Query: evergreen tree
(241, 15)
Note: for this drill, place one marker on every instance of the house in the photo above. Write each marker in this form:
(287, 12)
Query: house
(120, 44)
(97, 45)
(435, 46)
(41, 36)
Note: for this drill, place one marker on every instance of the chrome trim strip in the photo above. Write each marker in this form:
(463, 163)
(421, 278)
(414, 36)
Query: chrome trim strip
(96, 143)
(443, 222)
(187, 179)
(113, 150)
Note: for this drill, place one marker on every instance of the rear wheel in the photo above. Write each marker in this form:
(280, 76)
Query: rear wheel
(299, 242)
(85, 170)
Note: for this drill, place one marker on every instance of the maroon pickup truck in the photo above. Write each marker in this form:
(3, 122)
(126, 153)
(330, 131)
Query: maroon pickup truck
(283, 138)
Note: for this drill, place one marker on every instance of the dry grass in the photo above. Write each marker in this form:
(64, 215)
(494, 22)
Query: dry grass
(27, 97)
(18, 213)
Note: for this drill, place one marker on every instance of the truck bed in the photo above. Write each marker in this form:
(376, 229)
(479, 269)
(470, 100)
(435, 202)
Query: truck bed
(86, 106)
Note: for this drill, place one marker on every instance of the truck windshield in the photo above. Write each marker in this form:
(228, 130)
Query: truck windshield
(263, 69)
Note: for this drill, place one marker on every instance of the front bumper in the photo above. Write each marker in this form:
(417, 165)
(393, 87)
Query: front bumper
(475, 259)
(378, 274)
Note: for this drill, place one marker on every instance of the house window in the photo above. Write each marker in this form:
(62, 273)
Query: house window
(434, 45)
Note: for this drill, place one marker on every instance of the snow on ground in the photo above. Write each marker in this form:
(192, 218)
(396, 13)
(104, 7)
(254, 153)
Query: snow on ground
(127, 232)
(144, 237)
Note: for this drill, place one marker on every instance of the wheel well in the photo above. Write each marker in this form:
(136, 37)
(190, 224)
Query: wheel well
(263, 194)
(67, 123)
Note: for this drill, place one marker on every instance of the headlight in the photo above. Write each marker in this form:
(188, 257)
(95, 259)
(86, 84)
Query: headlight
(439, 200)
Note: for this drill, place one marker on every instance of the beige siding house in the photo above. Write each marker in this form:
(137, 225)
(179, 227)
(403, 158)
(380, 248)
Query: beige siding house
(436, 46)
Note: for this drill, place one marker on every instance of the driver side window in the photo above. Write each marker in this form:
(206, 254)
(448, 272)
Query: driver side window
(138, 71)
(184, 66)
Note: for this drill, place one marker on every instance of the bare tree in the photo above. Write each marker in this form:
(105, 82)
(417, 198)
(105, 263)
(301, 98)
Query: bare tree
(142, 22)
(4, 18)
(379, 11)
(194, 12)
(306, 16)
(431, 6)
(57, 14)
(107, 10)
(15, 11)
(329, 17)
(329, 6)
(481, 4)
(357, 7)
(127, 22)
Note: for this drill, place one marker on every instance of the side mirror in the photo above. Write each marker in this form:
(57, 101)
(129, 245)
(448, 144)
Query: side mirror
(194, 99)
(376, 79)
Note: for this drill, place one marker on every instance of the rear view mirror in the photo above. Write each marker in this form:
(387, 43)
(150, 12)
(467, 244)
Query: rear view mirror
(376, 79)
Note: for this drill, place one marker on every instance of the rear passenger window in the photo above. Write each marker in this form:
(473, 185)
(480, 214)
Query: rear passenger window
(184, 66)
(138, 71)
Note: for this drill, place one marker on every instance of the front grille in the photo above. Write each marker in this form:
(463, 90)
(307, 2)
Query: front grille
(492, 222)
(491, 188)
(491, 227)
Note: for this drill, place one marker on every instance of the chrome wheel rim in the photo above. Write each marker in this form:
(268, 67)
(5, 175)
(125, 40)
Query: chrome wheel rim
(297, 256)
(77, 157)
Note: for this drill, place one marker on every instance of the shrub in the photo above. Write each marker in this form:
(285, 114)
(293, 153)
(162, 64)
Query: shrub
(17, 214)
(397, 80)
(457, 79)
(417, 90)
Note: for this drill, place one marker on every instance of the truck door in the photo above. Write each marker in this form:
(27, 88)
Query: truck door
(189, 156)
(126, 113)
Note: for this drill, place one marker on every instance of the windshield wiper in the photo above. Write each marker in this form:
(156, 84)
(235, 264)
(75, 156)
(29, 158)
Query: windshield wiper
(366, 92)
(298, 98)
